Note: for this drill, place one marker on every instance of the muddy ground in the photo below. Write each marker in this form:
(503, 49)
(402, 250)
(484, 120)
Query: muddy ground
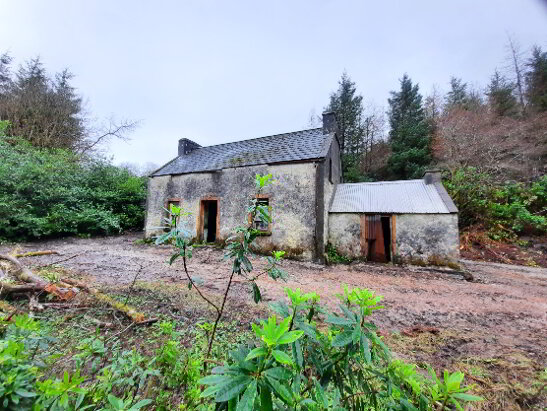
(500, 316)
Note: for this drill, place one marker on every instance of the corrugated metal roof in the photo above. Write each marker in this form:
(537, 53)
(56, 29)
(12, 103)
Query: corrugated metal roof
(392, 197)
(280, 148)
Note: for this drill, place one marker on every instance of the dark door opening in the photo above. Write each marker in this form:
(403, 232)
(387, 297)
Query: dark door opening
(210, 214)
(376, 238)
(386, 230)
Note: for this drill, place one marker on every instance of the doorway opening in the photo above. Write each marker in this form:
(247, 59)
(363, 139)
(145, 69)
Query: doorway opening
(209, 220)
(376, 237)
(386, 230)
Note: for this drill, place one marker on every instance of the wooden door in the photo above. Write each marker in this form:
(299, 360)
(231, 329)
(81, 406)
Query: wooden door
(372, 238)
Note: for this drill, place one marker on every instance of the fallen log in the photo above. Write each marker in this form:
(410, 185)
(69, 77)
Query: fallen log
(129, 311)
(41, 285)
(23, 273)
(38, 283)
(7, 288)
(36, 253)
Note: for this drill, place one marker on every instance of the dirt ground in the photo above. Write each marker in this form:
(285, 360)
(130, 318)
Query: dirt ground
(500, 316)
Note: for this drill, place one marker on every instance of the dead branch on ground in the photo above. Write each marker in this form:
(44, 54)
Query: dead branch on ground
(36, 253)
(59, 261)
(7, 308)
(39, 284)
(99, 323)
(23, 273)
(141, 267)
(34, 305)
(8, 289)
(123, 308)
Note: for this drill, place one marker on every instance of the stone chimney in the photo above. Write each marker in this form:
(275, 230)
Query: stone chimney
(187, 146)
(432, 176)
(329, 123)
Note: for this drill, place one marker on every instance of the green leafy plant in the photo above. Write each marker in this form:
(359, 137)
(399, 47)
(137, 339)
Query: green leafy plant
(449, 391)
(297, 365)
(238, 249)
(118, 404)
(56, 192)
(334, 258)
(504, 209)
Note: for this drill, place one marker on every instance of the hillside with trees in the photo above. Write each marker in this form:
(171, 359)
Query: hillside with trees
(491, 145)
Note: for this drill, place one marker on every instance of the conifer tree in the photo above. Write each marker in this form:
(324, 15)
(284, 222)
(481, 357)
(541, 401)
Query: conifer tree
(500, 96)
(536, 80)
(49, 112)
(457, 96)
(410, 132)
(348, 107)
(46, 111)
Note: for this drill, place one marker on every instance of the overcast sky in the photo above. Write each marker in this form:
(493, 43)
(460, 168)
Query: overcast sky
(220, 71)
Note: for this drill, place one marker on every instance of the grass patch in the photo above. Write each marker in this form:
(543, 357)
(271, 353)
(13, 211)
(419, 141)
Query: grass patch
(515, 382)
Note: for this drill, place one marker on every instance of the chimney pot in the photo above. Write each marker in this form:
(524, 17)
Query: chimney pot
(187, 146)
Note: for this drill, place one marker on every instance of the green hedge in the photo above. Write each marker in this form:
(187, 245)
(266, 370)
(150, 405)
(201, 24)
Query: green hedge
(49, 193)
(504, 209)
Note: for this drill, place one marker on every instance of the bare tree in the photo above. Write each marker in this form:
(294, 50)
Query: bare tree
(139, 170)
(105, 133)
(373, 125)
(433, 104)
(314, 121)
(502, 146)
(515, 65)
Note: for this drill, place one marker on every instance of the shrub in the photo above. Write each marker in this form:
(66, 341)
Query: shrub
(53, 192)
(298, 365)
(504, 209)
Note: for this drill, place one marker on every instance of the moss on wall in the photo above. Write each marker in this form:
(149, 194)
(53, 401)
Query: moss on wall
(345, 234)
(292, 198)
(426, 235)
(419, 237)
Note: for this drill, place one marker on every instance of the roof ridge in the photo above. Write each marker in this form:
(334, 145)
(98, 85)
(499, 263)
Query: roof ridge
(297, 145)
(258, 138)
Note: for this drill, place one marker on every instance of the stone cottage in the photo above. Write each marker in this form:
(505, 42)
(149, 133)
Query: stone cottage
(215, 184)
(310, 207)
(389, 220)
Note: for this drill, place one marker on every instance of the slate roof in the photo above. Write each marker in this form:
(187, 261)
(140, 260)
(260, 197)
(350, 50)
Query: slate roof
(393, 197)
(296, 146)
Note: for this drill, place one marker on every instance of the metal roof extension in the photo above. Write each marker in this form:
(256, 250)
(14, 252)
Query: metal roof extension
(393, 197)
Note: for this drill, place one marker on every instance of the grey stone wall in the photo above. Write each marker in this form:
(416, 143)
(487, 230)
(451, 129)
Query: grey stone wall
(333, 159)
(345, 233)
(416, 235)
(292, 201)
(426, 235)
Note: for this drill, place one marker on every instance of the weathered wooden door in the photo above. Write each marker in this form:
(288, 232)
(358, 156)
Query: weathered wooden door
(372, 239)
